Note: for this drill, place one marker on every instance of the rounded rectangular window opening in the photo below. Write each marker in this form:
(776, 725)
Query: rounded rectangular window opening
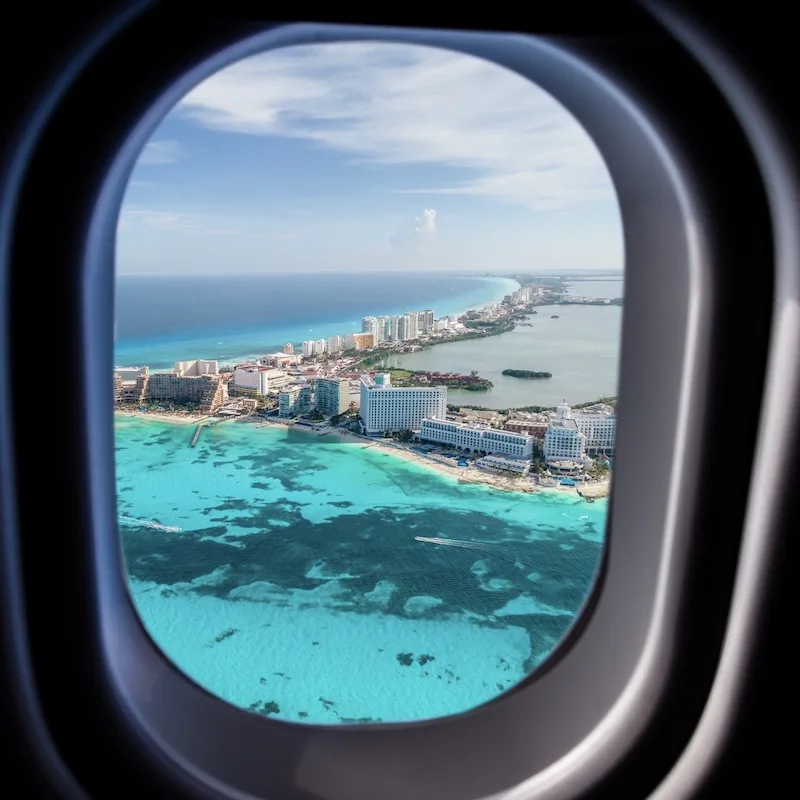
(368, 315)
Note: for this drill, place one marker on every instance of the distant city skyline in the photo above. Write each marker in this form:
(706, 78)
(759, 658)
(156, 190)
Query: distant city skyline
(369, 157)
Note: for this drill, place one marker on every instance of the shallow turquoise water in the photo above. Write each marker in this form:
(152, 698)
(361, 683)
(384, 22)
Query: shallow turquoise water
(296, 587)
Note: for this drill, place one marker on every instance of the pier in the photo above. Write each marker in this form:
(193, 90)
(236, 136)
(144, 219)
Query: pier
(197, 434)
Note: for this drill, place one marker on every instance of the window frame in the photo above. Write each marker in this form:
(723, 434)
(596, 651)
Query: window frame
(217, 745)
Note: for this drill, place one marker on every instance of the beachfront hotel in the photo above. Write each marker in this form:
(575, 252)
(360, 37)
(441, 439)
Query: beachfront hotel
(573, 434)
(599, 427)
(564, 441)
(393, 408)
(477, 438)
(294, 400)
(197, 382)
(130, 384)
(257, 379)
(332, 395)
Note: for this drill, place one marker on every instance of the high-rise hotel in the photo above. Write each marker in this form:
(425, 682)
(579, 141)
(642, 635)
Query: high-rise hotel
(397, 408)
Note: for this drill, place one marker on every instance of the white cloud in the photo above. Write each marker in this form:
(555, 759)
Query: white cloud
(133, 218)
(417, 237)
(402, 104)
(162, 152)
(137, 219)
(426, 224)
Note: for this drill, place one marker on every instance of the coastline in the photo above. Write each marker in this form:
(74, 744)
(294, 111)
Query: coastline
(238, 347)
(463, 475)
(442, 467)
(162, 416)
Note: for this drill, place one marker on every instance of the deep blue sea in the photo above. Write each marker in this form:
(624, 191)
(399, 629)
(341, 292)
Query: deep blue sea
(161, 320)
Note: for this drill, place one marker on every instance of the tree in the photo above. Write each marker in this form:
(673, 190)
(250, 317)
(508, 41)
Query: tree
(405, 436)
(335, 420)
(474, 373)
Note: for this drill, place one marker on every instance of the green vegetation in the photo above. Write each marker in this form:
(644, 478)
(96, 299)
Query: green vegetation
(598, 471)
(468, 383)
(372, 360)
(473, 323)
(526, 373)
(607, 401)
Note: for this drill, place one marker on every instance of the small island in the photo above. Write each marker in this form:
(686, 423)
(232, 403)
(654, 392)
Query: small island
(453, 380)
(526, 373)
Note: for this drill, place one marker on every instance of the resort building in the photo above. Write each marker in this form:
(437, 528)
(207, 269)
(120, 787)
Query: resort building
(294, 400)
(535, 425)
(503, 464)
(131, 384)
(597, 424)
(478, 438)
(385, 407)
(308, 349)
(564, 441)
(599, 428)
(257, 379)
(208, 391)
(332, 395)
(191, 369)
(427, 320)
(288, 349)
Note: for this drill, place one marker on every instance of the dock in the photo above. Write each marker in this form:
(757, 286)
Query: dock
(197, 433)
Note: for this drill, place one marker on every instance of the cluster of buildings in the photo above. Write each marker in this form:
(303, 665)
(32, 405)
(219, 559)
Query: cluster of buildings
(567, 439)
(525, 295)
(378, 331)
(389, 332)
(572, 438)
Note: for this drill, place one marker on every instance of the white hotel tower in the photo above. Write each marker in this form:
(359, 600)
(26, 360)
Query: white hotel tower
(394, 408)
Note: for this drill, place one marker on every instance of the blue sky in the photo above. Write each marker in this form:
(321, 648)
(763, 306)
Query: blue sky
(362, 156)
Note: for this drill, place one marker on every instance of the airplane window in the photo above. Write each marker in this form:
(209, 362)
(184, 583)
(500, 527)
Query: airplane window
(367, 328)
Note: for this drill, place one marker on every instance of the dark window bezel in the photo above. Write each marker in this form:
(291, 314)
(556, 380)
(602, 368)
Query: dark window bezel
(503, 758)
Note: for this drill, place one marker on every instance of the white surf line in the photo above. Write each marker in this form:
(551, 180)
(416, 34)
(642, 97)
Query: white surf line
(148, 524)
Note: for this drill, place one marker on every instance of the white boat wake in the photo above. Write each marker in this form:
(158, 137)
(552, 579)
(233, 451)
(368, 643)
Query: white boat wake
(146, 523)
(454, 543)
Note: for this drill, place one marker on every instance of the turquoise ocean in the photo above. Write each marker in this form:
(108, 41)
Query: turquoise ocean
(295, 586)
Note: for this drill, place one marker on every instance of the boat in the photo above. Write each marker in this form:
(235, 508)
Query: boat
(157, 526)
(555, 316)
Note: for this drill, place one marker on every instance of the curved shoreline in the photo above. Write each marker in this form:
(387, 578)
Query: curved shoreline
(463, 475)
